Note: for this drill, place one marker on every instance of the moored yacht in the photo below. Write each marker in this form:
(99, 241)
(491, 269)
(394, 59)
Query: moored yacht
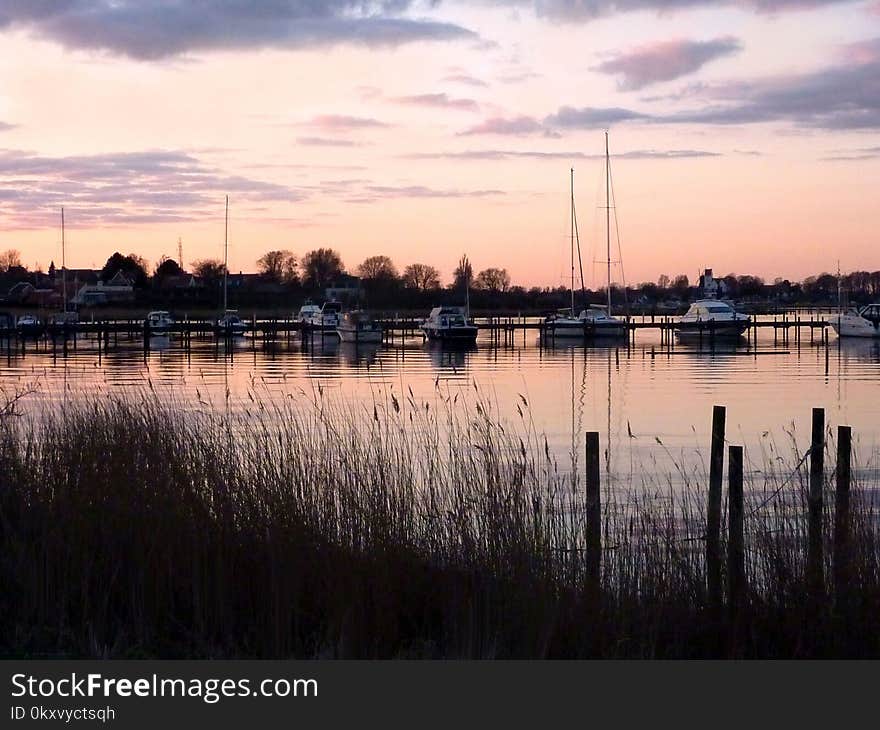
(230, 324)
(711, 318)
(28, 323)
(593, 321)
(326, 319)
(357, 326)
(449, 324)
(864, 322)
(159, 322)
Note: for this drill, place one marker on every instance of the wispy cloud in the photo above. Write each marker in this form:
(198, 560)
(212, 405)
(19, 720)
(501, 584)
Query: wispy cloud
(512, 126)
(665, 61)
(440, 100)
(151, 186)
(862, 153)
(589, 117)
(587, 10)
(147, 30)
(342, 122)
(494, 155)
(327, 142)
(466, 79)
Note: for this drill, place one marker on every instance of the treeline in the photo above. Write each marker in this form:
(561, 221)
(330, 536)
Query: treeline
(285, 279)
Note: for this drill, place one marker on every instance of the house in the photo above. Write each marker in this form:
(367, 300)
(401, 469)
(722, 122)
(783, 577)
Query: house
(119, 289)
(345, 288)
(710, 287)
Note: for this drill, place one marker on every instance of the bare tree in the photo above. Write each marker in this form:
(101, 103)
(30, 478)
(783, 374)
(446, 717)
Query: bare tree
(378, 268)
(492, 279)
(278, 266)
(421, 277)
(10, 259)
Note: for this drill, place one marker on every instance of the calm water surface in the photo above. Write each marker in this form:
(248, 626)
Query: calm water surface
(653, 406)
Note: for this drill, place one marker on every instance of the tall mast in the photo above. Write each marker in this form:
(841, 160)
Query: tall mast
(226, 255)
(63, 267)
(572, 241)
(608, 219)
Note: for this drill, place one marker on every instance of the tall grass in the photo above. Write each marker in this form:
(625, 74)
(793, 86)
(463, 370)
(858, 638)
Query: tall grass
(133, 527)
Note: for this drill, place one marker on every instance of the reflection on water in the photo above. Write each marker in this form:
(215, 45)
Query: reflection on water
(650, 403)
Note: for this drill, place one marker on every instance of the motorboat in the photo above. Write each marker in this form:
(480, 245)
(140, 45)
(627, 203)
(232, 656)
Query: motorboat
(449, 324)
(230, 324)
(307, 312)
(159, 322)
(711, 318)
(324, 320)
(28, 323)
(863, 322)
(357, 326)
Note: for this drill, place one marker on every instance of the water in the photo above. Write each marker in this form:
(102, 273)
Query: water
(652, 406)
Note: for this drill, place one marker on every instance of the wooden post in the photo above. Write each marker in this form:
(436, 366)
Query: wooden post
(736, 569)
(594, 517)
(842, 516)
(817, 472)
(713, 509)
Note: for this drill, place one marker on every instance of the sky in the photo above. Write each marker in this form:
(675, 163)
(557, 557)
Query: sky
(743, 135)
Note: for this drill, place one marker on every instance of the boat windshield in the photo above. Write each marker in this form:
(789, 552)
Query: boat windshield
(719, 309)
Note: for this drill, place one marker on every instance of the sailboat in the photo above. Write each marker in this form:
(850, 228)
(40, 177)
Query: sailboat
(230, 324)
(64, 317)
(593, 321)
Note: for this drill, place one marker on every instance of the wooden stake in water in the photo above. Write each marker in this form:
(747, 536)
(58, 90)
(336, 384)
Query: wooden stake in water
(713, 509)
(841, 515)
(735, 544)
(594, 515)
(817, 472)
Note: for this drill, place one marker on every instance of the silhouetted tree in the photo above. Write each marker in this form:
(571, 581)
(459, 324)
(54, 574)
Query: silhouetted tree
(133, 266)
(421, 277)
(167, 267)
(320, 267)
(378, 268)
(10, 259)
(278, 266)
(463, 276)
(209, 269)
(492, 279)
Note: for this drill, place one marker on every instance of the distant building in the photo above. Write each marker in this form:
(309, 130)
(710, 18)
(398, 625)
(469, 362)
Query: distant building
(710, 287)
(118, 290)
(345, 288)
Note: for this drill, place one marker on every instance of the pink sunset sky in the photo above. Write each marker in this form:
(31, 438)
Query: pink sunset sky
(744, 135)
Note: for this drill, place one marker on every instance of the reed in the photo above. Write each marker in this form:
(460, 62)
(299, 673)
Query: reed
(137, 526)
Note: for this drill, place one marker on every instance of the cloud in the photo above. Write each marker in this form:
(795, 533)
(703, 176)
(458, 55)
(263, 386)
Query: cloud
(843, 96)
(515, 126)
(327, 142)
(150, 30)
(494, 155)
(463, 78)
(587, 10)
(6, 126)
(342, 122)
(443, 101)
(657, 62)
(591, 117)
(151, 186)
(372, 193)
(864, 153)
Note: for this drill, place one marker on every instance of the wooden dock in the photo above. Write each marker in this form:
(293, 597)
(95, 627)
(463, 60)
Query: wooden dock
(503, 331)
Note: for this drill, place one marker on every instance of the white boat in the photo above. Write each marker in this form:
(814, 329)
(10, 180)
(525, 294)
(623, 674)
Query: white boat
(28, 323)
(864, 322)
(357, 326)
(326, 319)
(595, 321)
(159, 322)
(308, 311)
(230, 324)
(711, 318)
(449, 324)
